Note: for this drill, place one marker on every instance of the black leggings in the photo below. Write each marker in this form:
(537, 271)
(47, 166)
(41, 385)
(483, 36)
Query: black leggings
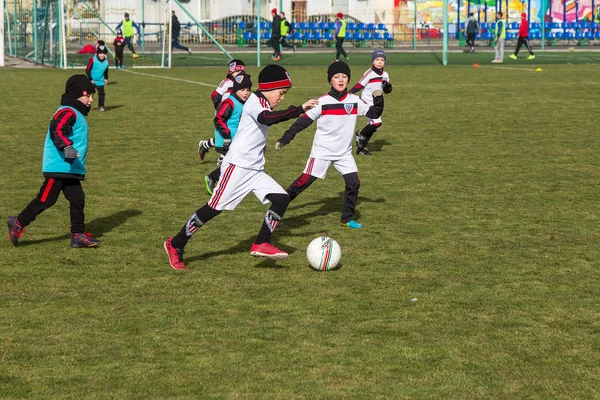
(350, 193)
(101, 95)
(47, 197)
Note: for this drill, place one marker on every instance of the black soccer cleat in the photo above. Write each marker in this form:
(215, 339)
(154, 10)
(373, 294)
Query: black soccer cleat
(361, 151)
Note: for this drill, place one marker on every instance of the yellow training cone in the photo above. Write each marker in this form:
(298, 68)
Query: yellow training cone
(538, 70)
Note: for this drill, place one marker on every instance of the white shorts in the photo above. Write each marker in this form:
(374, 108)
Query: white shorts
(235, 184)
(318, 167)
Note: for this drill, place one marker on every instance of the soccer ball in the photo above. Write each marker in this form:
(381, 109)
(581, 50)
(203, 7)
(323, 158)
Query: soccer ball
(323, 253)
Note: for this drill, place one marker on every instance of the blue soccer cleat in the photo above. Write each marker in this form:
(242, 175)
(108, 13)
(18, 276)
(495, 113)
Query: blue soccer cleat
(353, 224)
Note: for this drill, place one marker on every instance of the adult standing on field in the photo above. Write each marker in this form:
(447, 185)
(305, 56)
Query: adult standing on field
(128, 25)
(471, 31)
(276, 35)
(500, 37)
(175, 31)
(523, 38)
(340, 35)
(286, 29)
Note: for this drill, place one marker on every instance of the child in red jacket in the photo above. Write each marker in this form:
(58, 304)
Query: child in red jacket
(523, 38)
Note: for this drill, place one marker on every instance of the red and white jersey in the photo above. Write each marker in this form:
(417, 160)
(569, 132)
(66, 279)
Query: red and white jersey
(224, 88)
(335, 125)
(370, 82)
(247, 147)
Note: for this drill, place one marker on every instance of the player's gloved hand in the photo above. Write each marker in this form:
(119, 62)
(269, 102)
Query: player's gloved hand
(278, 145)
(226, 144)
(70, 154)
(378, 98)
(387, 87)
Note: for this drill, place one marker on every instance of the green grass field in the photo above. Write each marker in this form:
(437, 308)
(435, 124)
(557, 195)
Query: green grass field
(480, 201)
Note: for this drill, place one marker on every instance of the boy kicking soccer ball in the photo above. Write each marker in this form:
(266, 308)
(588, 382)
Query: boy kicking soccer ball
(336, 113)
(375, 78)
(242, 170)
(63, 164)
(222, 91)
(227, 121)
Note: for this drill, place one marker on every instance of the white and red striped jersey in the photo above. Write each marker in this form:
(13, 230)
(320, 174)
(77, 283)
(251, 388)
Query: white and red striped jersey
(247, 148)
(335, 125)
(370, 81)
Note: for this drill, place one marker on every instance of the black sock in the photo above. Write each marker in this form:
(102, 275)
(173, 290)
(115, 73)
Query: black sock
(279, 203)
(366, 133)
(199, 218)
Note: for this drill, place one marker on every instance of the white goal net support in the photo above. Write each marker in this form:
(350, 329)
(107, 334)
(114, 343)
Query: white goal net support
(65, 33)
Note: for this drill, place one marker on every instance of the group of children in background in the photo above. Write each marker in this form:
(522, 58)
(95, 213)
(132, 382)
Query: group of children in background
(242, 121)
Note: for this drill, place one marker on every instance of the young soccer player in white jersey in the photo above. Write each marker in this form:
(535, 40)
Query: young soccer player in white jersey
(375, 78)
(235, 67)
(336, 113)
(242, 170)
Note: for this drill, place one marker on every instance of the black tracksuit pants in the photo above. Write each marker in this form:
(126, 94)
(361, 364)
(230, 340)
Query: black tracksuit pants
(51, 188)
(339, 49)
(523, 40)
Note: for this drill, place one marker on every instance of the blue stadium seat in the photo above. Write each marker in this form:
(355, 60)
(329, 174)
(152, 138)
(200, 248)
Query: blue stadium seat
(549, 35)
(294, 25)
(537, 35)
(322, 26)
(328, 35)
(242, 25)
(317, 35)
(564, 25)
(559, 35)
(573, 25)
(488, 35)
(297, 35)
(583, 25)
(263, 25)
(313, 26)
(588, 35)
(484, 26)
(594, 25)
(377, 36)
(331, 25)
(381, 27)
(510, 35)
(555, 25)
(303, 26)
(492, 26)
(368, 36)
(597, 35)
(351, 26)
(371, 27)
(358, 35)
(569, 35)
(307, 36)
(535, 25)
(248, 35)
(361, 26)
(348, 36)
(388, 36)
(266, 35)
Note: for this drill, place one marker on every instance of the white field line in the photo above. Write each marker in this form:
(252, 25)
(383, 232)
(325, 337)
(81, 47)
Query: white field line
(212, 85)
(513, 68)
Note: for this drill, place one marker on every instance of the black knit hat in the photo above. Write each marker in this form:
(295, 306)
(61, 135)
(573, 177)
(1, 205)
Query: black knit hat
(336, 68)
(101, 48)
(78, 86)
(242, 81)
(273, 77)
(236, 65)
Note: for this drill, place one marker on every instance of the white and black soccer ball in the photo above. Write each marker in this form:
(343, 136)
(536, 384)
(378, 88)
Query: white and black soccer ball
(323, 253)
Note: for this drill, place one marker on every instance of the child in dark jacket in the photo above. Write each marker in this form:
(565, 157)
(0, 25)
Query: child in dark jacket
(63, 166)
(119, 44)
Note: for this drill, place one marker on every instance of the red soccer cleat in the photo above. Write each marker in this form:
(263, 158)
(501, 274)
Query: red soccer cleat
(175, 255)
(267, 250)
